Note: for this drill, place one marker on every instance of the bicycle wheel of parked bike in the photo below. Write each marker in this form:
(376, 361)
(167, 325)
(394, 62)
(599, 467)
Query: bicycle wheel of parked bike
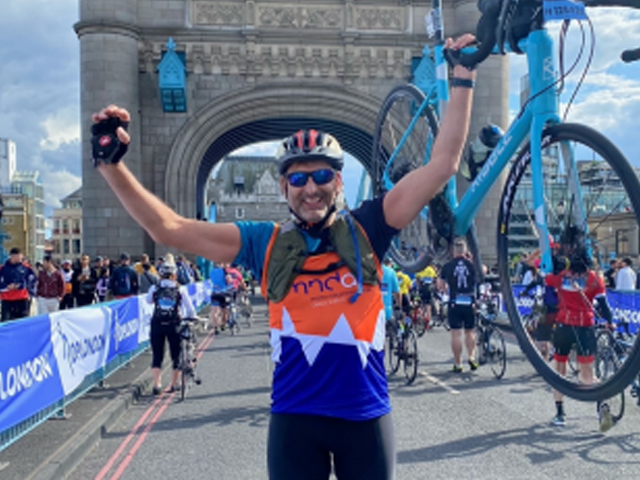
(410, 356)
(606, 364)
(394, 119)
(595, 194)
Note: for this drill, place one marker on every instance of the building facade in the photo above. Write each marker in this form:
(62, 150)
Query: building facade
(66, 235)
(245, 188)
(7, 161)
(15, 223)
(28, 187)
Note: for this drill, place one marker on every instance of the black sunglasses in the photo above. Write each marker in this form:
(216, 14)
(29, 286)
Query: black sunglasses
(320, 177)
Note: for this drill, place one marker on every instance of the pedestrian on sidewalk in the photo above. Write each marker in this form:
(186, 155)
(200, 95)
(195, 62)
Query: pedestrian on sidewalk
(50, 287)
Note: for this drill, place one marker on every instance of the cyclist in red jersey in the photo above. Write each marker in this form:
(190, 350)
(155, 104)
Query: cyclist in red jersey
(578, 287)
(321, 273)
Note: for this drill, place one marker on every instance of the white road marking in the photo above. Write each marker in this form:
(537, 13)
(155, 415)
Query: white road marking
(440, 383)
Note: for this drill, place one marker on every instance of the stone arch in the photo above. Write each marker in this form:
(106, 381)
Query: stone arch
(225, 125)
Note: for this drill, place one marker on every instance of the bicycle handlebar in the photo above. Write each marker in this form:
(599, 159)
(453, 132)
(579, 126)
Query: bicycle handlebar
(490, 30)
(611, 3)
(632, 55)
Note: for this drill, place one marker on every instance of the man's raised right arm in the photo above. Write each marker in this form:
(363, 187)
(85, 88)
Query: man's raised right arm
(218, 242)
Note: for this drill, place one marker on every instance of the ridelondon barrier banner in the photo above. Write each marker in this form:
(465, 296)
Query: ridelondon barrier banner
(29, 376)
(625, 306)
(44, 358)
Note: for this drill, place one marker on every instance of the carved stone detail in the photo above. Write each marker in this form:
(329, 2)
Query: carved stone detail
(325, 18)
(380, 19)
(346, 62)
(287, 16)
(277, 16)
(206, 13)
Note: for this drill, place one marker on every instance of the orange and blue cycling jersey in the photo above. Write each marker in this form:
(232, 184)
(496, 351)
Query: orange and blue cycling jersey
(329, 352)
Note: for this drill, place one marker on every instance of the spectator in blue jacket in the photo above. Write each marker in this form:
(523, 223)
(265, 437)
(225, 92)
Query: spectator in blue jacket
(17, 286)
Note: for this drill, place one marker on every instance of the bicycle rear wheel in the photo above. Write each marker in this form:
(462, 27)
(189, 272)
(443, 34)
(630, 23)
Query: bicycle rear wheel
(604, 190)
(394, 118)
(410, 356)
(391, 347)
(496, 351)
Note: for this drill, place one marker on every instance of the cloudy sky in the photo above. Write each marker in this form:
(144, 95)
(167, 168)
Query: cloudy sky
(39, 88)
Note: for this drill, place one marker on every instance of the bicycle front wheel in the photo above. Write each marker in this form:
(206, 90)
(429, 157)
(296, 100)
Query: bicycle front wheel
(184, 365)
(396, 115)
(588, 184)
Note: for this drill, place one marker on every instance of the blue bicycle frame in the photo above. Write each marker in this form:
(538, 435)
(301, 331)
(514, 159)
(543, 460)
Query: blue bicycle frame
(540, 111)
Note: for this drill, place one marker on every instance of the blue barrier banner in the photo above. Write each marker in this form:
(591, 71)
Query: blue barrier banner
(45, 358)
(29, 378)
(145, 311)
(81, 339)
(626, 308)
(125, 326)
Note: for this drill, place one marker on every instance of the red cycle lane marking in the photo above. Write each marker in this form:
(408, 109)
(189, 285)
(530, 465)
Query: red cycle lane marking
(127, 439)
(129, 456)
(165, 400)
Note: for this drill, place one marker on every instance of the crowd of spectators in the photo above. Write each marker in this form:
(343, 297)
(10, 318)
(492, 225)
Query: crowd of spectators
(46, 287)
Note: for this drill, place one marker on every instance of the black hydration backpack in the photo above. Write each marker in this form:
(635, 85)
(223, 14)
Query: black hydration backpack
(167, 303)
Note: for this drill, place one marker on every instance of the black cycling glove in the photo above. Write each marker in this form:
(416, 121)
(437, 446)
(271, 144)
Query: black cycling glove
(106, 147)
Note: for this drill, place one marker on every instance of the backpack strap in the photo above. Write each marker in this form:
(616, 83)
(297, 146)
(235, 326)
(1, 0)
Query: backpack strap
(287, 252)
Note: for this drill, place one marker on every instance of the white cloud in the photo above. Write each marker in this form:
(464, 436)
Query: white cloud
(58, 185)
(61, 127)
(609, 99)
(258, 149)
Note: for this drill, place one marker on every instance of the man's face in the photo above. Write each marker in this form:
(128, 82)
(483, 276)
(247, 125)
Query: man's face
(15, 258)
(311, 202)
(85, 260)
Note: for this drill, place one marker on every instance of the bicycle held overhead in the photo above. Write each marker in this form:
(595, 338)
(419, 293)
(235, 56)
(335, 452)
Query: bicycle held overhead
(549, 194)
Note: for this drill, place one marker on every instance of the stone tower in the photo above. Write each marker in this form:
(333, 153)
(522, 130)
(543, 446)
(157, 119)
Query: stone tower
(246, 61)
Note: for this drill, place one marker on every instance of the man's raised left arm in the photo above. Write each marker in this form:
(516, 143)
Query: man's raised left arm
(411, 194)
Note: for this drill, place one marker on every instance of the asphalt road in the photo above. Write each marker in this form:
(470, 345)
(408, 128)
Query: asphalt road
(463, 426)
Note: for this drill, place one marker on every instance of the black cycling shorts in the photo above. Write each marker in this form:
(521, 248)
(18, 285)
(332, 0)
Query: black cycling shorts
(300, 447)
(425, 294)
(157, 336)
(566, 336)
(406, 303)
(219, 299)
(461, 316)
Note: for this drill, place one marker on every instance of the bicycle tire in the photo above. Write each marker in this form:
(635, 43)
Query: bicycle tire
(402, 98)
(496, 351)
(184, 353)
(393, 359)
(410, 357)
(606, 363)
(601, 147)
